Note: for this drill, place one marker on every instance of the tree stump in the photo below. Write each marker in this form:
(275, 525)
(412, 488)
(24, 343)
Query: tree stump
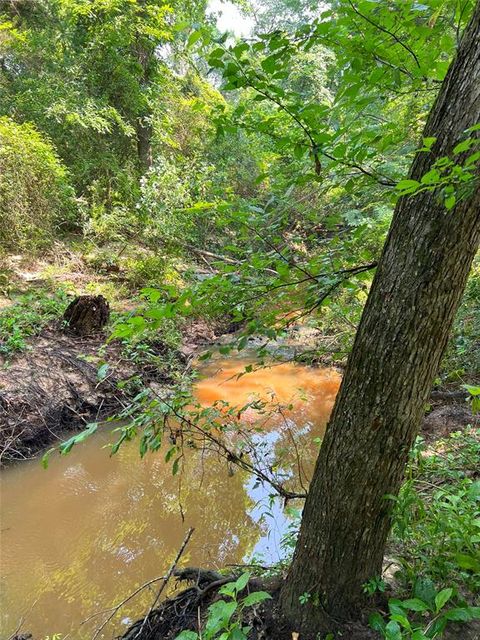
(87, 314)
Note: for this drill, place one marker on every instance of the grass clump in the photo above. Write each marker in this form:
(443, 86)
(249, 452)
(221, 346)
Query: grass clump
(27, 317)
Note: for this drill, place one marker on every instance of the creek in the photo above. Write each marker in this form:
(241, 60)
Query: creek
(80, 536)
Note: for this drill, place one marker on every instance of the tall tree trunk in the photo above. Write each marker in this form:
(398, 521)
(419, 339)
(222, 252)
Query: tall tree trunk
(397, 351)
(144, 143)
(145, 54)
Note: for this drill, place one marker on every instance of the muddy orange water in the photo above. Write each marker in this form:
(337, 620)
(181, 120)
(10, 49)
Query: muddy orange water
(83, 534)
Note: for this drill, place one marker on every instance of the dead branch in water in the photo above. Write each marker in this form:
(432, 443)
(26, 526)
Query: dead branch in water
(164, 583)
(119, 605)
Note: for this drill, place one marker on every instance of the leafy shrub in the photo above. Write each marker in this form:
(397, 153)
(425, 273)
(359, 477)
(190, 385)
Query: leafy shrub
(423, 617)
(224, 618)
(168, 193)
(436, 528)
(35, 196)
(148, 270)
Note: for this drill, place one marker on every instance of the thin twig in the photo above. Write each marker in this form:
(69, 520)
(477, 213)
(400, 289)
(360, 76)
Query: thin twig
(118, 606)
(390, 33)
(164, 583)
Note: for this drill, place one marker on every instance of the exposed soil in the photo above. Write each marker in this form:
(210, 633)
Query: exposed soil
(53, 387)
(449, 412)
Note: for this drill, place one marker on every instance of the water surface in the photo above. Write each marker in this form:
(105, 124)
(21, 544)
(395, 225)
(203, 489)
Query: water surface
(83, 534)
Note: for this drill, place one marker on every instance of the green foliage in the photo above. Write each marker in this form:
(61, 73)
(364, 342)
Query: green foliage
(224, 618)
(423, 617)
(27, 316)
(453, 178)
(474, 392)
(462, 359)
(157, 354)
(374, 585)
(436, 525)
(97, 92)
(36, 200)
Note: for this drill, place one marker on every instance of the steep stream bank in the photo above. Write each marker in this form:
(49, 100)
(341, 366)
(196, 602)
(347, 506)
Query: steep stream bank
(54, 386)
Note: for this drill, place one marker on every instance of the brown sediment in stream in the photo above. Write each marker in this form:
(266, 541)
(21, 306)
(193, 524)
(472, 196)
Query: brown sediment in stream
(80, 535)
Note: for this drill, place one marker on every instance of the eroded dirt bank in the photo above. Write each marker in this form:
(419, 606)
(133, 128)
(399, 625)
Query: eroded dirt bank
(54, 386)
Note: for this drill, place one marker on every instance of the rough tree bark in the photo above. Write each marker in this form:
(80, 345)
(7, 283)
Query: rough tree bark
(396, 354)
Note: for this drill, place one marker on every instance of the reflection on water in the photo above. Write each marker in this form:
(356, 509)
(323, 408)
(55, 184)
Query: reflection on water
(82, 535)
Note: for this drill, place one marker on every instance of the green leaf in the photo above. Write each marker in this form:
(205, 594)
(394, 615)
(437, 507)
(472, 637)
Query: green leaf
(459, 614)
(255, 598)
(431, 177)
(187, 635)
(170, 453)
(395, 607)
(175, 466)
(236, 634)
(298, 151)
(67, 446)
(152, 294)
(193, 38)
(242, 581)
(269, 64)
(468, 562)
(450, 202)
(46, 457)
(428, 143)
(376, 622)
(442, 598)
(415, 604)
(402, 620)
(437, 627)
(407, 186)
(219, 614)
(473, 390)
(393, 631)
(463, 146)
(424, 590)
(102, 371)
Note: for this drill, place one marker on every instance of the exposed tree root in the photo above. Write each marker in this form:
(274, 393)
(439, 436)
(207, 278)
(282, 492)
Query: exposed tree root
(186, 610)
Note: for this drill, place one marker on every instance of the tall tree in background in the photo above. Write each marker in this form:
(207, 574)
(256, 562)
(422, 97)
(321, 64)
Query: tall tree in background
(90, 75)
(398, 347)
